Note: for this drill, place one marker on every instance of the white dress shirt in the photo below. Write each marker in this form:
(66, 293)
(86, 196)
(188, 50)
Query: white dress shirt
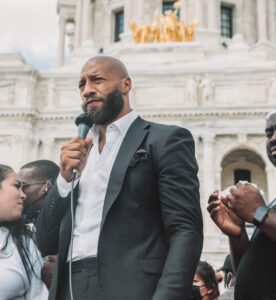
(14, 283)
(92, 187)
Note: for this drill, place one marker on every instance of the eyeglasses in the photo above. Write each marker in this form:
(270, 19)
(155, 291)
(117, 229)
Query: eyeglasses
(25, 185)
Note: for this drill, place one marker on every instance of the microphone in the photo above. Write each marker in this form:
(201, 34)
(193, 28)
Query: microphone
(84, 122)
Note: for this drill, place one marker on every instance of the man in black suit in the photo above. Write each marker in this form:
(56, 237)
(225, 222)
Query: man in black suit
(138, 223)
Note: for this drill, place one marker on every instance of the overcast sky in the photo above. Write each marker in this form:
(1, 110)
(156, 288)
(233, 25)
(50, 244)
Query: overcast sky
(30, 27)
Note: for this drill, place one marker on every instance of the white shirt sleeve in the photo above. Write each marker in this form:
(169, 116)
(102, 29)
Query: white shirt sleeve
(64, 187)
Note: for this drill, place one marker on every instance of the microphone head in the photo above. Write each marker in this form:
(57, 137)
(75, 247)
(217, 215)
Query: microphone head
(84, 118)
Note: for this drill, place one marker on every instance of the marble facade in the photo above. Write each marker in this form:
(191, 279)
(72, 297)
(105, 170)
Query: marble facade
(221, 94)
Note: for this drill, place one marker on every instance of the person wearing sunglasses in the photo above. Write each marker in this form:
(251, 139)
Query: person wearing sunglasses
(37, 179)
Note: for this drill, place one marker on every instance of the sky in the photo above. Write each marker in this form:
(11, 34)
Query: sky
(31, 28)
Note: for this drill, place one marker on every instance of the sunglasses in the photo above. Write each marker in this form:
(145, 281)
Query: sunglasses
(26, 185)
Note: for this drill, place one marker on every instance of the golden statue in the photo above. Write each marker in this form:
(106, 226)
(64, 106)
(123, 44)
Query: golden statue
(170, 28)
(136, 32)
(190, 30)
(155, 29)
(181, 32)
(145, 33)
(177, 5)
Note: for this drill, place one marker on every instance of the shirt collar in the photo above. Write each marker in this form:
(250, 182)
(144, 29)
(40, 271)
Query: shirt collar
(122, 124)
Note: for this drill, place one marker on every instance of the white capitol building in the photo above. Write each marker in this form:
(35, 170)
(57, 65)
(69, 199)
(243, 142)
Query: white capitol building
(220, 86)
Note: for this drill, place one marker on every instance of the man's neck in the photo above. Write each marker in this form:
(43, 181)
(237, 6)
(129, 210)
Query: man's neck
(102, 128)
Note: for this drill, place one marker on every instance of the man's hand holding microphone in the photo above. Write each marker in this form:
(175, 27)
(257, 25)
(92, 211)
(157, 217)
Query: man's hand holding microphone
(74, 154)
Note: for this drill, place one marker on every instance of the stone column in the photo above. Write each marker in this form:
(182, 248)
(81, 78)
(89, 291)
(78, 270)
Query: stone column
(208, 165)
(212, 14)
(139, 11)
(78, 24)
(270, 171)
(48, 144)
(127, 14)
(262, 20)
(20, 141)
(272, 22)
(199, 12)
(86, 21)
(126, 35)
(61, 44)
(51, 95)
(184, 15)
(208, 176)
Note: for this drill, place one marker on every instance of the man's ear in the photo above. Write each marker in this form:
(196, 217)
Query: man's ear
(126, 85)
(48, 186)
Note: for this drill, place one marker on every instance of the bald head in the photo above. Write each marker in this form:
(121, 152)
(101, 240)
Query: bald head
(104, 88)
(110, 65)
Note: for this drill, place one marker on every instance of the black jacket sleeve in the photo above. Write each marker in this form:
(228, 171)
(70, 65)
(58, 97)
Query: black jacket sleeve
(49, 221)
(181, 213)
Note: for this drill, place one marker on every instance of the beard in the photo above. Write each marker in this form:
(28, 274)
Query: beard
(113, 105)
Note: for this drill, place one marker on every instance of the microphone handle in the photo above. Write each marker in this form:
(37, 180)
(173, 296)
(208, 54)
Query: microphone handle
(82, 133)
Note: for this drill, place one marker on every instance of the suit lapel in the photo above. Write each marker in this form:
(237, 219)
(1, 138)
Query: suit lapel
(133, 139)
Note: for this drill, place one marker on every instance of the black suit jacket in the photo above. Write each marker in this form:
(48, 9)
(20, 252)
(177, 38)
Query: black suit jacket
(151, 230)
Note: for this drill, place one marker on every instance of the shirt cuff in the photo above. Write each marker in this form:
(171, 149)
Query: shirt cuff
(64, 187)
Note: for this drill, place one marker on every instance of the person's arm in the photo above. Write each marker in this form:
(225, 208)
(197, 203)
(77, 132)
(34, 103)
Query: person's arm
(245, 200)
(181, 213)
(73, 156)
(49, 221)
(238, 245)
(230, 224)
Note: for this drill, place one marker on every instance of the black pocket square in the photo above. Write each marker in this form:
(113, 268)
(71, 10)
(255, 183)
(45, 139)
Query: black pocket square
(140, 154)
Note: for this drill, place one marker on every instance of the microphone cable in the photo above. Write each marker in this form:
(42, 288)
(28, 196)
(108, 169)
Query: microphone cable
(74, 174)
(84, 122)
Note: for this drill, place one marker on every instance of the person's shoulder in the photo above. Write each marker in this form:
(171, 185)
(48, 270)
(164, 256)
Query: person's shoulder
(166, 128)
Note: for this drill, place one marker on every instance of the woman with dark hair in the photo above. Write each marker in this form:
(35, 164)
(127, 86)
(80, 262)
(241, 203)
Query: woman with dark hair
(205, 285)
(20, 261)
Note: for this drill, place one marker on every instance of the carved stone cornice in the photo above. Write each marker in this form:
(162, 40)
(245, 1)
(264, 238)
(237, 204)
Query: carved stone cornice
(207, 113)
(193, 114)
(9, 113)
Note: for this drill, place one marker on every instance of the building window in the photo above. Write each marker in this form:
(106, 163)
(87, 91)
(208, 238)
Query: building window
(119, 25)
(242, 174)
(226, 15)
(168, 5)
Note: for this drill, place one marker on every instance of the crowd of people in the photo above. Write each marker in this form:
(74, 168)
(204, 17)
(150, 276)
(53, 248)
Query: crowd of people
(137, 231)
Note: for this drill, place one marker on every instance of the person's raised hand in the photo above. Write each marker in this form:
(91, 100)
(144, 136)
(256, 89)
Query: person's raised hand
(73, 156)
(227, 221)
(244, 200)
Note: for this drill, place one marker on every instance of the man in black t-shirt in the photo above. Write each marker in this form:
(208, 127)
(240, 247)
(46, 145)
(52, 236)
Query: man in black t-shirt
(254, 260)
